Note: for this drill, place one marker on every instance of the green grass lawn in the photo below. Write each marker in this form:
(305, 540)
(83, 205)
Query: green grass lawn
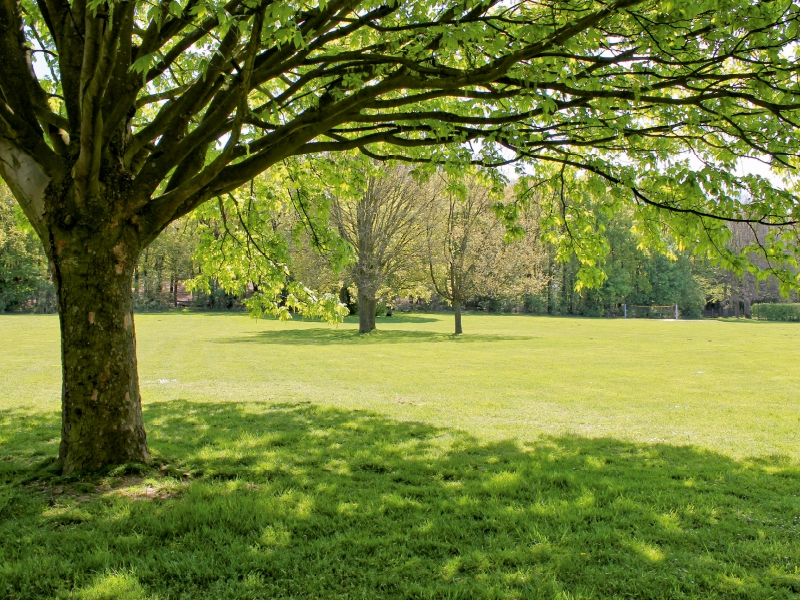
(530, 458)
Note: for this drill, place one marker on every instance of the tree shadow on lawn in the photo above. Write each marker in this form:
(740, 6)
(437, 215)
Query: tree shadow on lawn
(398, 317)
(331, 336)
(297, 501)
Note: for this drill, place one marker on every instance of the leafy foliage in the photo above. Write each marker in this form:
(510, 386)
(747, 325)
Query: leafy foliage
(631, 275)
(24, 277)
(642, 103)
(245, 246)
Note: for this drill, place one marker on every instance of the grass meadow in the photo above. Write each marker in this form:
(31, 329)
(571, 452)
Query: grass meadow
(531, 457)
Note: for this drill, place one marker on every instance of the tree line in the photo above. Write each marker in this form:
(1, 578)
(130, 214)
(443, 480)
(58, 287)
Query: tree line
(395, 242)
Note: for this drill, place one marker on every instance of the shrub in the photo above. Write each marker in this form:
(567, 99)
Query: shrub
(488, 304)
(535, 303)
(776, 312)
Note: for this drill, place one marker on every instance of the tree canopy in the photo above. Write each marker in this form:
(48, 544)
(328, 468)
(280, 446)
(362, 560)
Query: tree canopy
(188, 100)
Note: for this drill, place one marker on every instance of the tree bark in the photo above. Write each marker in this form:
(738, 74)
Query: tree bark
(551, 284)
(101, 405)
(373, 309)
(457, 311)
(366, 313)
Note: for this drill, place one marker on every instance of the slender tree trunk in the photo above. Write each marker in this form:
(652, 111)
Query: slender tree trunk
(101, 406)
(366, 313)
(457, 311)
(551, 284)
(373, 309)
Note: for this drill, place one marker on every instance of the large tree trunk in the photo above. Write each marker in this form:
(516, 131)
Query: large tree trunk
(457, 311)
(101, 405)
(366, 313)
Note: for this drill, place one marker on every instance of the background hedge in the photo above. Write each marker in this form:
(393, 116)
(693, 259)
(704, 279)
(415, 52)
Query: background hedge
(776, 312)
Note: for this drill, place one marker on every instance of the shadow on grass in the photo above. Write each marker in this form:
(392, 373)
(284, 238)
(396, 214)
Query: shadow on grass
(398, 317)
(331, 335)
(296, 501)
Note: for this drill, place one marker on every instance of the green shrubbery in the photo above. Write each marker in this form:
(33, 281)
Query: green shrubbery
(25, 283)
(776, 312)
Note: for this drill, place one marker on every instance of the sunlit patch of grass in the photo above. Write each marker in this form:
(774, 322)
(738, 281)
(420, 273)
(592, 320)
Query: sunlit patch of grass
(115, 586)
(648, 551)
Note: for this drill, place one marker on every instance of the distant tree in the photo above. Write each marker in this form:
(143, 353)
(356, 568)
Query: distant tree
(741, 288)
(384, 223)
(513, 264)
(458, 237)
(632, 275)
(638, 276)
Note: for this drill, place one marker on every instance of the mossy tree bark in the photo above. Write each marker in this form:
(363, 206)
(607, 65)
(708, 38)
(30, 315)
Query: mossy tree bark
(92, 267)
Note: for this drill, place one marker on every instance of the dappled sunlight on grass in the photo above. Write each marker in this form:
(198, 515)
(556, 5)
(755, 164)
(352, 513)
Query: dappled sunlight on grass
(114, 586)
(648, 551)
(293, 500)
